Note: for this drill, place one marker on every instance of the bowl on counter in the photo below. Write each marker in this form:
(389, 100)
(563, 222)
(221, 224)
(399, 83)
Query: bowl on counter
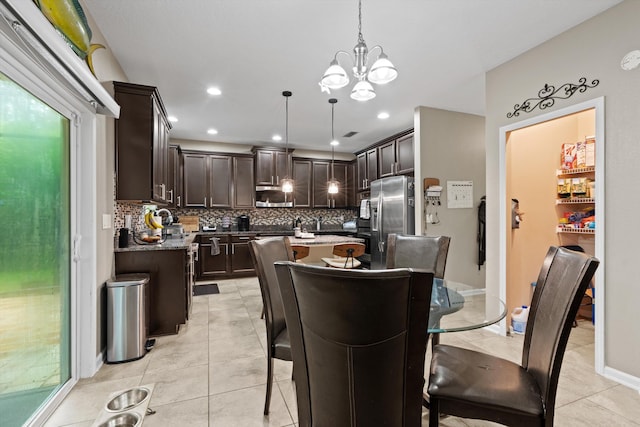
(148, 237)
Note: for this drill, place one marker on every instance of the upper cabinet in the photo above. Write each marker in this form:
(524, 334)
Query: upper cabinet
(218, 181)
(270, 166)
(396, 156)
(392, 156)
(174, 173)
(302, 178)
(142, 144)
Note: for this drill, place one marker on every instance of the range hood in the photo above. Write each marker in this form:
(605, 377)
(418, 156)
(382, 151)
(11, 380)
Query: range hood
(268, 196)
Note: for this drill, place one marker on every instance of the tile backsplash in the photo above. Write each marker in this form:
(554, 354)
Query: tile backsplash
(279, 218)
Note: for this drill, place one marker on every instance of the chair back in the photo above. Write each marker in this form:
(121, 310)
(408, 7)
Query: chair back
(425, 252)
(358, 342)
(299, 252)
(563, 279)
(264, 253)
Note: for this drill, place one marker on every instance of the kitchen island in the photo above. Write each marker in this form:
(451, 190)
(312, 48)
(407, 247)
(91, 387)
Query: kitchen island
(321, 246)
(170, 267)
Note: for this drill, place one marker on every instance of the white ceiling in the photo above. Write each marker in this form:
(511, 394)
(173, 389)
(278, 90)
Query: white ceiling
(254, 49)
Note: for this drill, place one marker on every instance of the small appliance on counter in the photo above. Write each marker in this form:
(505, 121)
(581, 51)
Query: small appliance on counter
(243, 223)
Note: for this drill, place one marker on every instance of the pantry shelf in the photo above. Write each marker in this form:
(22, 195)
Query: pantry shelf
(571, 230)
(576, 171)
(575, 201)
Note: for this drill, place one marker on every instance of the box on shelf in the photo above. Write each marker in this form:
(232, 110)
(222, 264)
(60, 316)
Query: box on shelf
(568, 156)
(590, 152)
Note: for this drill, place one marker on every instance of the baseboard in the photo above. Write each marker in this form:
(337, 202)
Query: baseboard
(99, 360)
(622, 378)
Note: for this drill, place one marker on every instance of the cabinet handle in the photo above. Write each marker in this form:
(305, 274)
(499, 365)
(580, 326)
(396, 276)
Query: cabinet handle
(271, 179)
(244, 238)
(163, 191)
(178, 203)
(205, 202)
(196, 256)
(170, 198)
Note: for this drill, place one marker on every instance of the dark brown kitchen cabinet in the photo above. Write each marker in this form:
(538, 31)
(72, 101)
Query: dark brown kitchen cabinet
(244, 195)
(343, 172)
(220, 182)
(396, 156)
(196, 170)
(167, 288)
(174, 174)
(233, 259)
(302, 178)
(141, 144)
(271, 166)
(366, 168)
(321, 175)
(212, 263)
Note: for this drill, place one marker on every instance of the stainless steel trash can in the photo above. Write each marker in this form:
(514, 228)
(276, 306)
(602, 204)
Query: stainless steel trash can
(126, 331)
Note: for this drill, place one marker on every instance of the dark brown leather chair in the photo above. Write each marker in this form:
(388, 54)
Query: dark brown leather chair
(264, 253)
(427, 252)
(472, 384)
(358, 343)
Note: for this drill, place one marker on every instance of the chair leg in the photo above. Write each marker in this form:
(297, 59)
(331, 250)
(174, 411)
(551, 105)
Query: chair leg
(434, 416)
(267, 400)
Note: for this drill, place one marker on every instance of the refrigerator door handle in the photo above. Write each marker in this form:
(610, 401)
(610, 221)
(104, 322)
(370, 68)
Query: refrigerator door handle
(379, 224)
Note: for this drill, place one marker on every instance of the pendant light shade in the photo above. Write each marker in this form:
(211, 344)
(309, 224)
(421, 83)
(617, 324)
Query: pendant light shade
(287, 181)
(381, 72)
(333, 186)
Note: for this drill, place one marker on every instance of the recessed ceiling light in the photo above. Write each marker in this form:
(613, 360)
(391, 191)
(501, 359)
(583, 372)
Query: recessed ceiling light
(276, 138)
(334, 142)
(212, 131)
(383, 115)
(214, 91)
(172, 119)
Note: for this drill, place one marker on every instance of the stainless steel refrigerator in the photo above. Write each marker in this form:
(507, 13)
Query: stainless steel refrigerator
(392, 211)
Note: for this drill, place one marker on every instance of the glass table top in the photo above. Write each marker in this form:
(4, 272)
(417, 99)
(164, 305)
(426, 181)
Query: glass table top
(457, 307)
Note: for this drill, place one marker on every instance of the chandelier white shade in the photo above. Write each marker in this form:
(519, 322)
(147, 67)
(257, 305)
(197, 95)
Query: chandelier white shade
(382, 71)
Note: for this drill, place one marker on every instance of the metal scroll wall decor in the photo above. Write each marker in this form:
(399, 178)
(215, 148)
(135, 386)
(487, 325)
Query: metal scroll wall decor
(548, 94)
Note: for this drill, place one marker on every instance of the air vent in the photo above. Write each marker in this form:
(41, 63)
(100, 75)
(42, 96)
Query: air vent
(349, 134)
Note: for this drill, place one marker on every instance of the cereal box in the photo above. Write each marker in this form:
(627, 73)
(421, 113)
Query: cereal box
(568, 156)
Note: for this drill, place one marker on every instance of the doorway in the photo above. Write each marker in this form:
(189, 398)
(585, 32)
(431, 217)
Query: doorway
(530, 172)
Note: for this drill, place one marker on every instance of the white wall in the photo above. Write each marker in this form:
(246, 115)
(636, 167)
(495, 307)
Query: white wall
(451, 148)
(592, 50)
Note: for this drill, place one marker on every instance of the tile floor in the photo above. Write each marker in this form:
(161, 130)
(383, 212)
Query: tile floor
(213, 373)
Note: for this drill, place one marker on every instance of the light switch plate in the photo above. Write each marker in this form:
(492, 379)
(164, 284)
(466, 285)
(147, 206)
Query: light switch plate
(106, 221)
(459, 194)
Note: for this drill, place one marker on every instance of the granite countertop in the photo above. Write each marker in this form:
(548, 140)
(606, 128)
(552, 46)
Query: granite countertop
(172, 243)
(325, 240)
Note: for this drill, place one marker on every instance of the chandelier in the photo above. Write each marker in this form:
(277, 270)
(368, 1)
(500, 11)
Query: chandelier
(287, 181)
(382, 71)
(333, 184)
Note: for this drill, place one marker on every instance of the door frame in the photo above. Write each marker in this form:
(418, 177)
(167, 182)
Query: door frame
(597, 104)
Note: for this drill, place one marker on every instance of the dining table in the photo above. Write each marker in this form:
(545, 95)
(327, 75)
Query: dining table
(457, 307)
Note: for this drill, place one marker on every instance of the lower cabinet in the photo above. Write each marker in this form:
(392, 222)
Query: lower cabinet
(232, 260)
(167, 288)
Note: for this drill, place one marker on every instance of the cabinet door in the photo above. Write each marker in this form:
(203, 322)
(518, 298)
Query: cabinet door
(241, 261)
(220, 183)
(361, 171)
(212, 265)
(302, 183)
(321, 171)
(195, 180)
(387, 153)
(372, 166)
(162, 166)
(340, 173)
(243, 185)
(173, 176)
(265, 168)
(404, 155)
(282, 165)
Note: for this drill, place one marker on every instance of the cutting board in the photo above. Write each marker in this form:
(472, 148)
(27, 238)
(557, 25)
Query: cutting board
(191, 223)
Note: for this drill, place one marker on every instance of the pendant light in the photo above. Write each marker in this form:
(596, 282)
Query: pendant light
(287, 181)
(333, 184)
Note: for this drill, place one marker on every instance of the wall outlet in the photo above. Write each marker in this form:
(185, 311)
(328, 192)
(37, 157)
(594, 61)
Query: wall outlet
(106, 221)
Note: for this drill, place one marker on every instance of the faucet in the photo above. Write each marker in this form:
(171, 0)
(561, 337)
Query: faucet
(169, 219)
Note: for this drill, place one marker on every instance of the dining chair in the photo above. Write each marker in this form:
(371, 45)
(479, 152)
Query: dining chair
(357, 342)
(472, 384)
(264, 253)
(345, 254)
(428, 252)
